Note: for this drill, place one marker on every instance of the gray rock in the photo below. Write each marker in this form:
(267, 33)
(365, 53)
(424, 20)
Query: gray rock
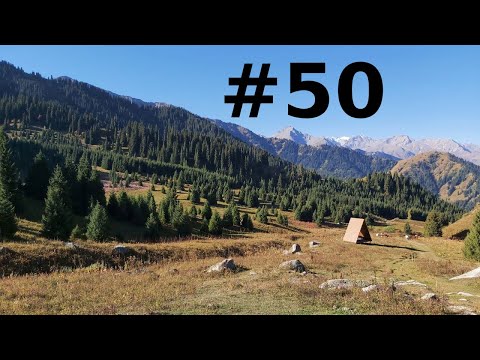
(429, 296)
(295, 265)
(227, 264)
(313, 244)
(409, 283)
(122, 250)
(475, 273)
(71, 246)
(460, 310)
(343, 284)
(295, 248)
(369, 288)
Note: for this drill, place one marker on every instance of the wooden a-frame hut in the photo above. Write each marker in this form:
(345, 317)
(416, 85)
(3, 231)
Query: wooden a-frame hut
(357, 231)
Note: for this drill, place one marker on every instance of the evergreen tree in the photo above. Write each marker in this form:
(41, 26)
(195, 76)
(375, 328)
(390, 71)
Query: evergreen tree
(8, 222)
(471, 245)
(262, 215)
(112, 207)
(98, 227)
(152, 227)
(57, 216)
(369, 220)
(8, 172)
(76, 233)
(181, 222)
(204, 226)
(433, 224)
(408, 229)
(282, 219)
(246, 222)
(36, 183)
(194, 195)
(207, 211)
(193, 212)
(215, 224)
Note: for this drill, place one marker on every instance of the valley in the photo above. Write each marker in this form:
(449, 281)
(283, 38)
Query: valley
(113, 205)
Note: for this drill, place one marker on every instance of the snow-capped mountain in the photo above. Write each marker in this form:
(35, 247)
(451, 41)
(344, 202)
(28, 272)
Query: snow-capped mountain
(290, 133)
(400, 147)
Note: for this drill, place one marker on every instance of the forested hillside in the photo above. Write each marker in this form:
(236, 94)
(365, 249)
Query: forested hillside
(80, 127)
(452, 178)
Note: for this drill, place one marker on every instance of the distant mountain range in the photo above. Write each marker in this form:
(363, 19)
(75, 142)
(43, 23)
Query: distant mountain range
(396, 147)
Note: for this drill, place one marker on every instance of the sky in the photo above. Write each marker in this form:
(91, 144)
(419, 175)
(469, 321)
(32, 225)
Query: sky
(429, 91)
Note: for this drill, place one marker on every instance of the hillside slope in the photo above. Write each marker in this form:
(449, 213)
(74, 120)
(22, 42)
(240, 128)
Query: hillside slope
(459, 229)
(452, 178)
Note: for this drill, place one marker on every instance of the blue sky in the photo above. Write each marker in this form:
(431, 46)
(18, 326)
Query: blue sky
(429, 91)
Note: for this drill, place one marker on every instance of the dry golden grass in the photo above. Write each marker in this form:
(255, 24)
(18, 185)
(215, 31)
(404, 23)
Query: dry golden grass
(170, 278)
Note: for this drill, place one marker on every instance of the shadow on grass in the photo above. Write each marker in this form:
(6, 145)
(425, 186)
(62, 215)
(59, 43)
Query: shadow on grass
(291, 228)
(393, 246)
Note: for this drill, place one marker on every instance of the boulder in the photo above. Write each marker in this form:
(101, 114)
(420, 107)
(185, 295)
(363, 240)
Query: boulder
(429, 296)
(294, 265)
(475, 273)
(313, 244)
(343, 284)
(71, 246)
(122, 250)
(409, 283)
(295, 248)
(460, 310)
(369, 288)
(227, 264)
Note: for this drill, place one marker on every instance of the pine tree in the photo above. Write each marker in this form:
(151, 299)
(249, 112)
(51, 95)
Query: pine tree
(369, 220)
(408, 229)
(8, 222)
(194, 195)
(112, 207)
(8, 172)
(207, 211)
(282, 219)
(262, 215)
(471, 244)
(246, 222)
(181, 222)
(57, 215)
(193, 212)
(98, 227)
(76, 233)
(433, 224)
(36, 183)
(152, 227)
(215, 224)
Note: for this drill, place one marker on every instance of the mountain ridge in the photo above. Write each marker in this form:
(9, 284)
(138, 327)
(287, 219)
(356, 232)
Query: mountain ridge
(398, 146)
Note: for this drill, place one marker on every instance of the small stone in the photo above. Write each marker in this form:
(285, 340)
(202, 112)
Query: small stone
(430, 296)
(369, 288)
(343, 284)
(462, 300)
(71, 246)
(295, 265)
(295, 249)
(313, 244)
(410, 283)
(227, 264)
(252, 273)
(173, 271)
